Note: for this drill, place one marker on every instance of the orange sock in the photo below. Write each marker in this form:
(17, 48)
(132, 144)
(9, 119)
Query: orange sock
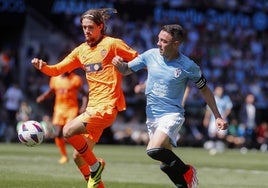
(85, 171)
(60, 143)
(79, 143)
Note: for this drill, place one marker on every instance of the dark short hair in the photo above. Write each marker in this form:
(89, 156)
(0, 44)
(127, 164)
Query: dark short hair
(175, 30)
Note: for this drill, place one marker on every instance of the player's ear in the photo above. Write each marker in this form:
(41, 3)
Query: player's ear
(101, 27)
(176, 43)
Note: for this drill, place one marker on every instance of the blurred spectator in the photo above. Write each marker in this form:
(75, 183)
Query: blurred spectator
(247, 117)
(7, 67)
(235, 134)
(262, 136)
(25, 112)
(225, 105)
(13, 98)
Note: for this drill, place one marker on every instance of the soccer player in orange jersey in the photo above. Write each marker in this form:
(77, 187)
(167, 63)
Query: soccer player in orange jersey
(66, 88)
(105, 97)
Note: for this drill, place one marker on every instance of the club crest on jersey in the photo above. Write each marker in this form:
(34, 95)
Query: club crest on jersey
(103, 52)
(84, 58)
(177, 73)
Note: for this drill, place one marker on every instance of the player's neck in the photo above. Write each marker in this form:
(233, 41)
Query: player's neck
(173, 56)
(95, 43)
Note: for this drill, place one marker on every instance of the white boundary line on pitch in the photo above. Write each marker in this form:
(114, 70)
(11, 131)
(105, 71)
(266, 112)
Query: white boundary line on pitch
(235, 170)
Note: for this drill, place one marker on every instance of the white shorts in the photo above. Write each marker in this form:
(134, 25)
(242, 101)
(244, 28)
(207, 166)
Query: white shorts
(170, 124)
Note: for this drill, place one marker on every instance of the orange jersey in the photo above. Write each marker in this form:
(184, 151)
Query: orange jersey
(66, 91)
(66, 104)
(103, 79)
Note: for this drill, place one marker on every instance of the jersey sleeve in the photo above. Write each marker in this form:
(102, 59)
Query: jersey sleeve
(140, 62)
(68, 64)
(124, 51)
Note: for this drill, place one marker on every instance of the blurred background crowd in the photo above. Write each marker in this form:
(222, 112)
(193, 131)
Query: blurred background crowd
(228, 39)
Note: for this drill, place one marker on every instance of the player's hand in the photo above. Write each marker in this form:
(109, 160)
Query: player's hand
(121, 66)
(38, 63)
(40, 99)
(221, 124)
(117, 61)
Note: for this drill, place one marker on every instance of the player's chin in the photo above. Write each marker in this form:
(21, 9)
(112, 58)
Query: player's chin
(89, 38)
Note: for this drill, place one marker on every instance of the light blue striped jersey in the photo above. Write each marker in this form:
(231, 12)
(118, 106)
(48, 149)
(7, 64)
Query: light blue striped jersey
(166, 82)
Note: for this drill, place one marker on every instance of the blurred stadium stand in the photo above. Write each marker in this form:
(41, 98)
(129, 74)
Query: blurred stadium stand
(227, 38)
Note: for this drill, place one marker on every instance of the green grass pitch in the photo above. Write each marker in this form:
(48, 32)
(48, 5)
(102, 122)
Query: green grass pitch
(128, 167)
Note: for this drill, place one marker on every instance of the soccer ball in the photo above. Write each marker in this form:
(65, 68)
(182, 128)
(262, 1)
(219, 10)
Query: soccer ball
(31, 133)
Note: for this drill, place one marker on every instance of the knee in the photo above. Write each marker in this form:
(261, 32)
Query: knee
(73, 128)
(66, 132)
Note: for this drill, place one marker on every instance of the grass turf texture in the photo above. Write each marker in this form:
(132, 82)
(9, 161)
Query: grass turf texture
(128, 167)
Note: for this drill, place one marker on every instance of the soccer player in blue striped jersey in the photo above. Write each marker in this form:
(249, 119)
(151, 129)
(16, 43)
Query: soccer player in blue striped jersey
(168, 74)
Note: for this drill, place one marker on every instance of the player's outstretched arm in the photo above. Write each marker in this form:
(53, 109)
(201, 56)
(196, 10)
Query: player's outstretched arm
(44, 95)
(209, 98)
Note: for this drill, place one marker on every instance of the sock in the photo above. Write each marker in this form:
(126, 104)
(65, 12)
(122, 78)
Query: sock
(84, 169)
(173, 166)
(60, 143)
(94, 167)
(80, 144)
(174, 176)
(169, 158)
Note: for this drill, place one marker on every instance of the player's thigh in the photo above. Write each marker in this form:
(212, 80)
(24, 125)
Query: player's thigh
(74, 127)
(164, 131)
(159, 140)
